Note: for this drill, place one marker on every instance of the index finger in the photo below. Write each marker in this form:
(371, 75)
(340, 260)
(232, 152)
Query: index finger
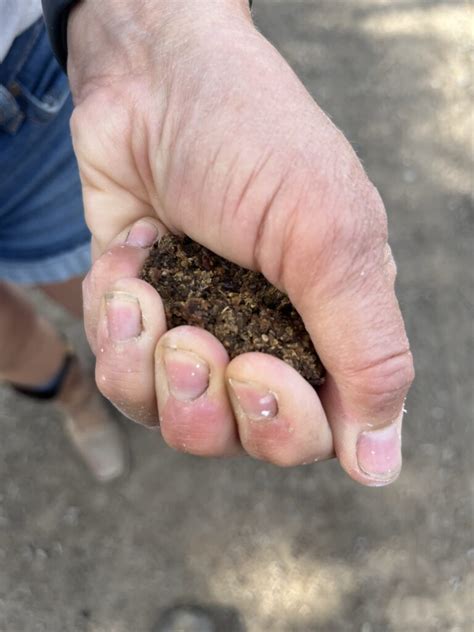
(352, 314)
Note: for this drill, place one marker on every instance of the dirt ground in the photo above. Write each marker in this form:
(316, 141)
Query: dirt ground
(300, 550)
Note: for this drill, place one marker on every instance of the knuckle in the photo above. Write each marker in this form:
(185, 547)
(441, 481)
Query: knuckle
(385, 383)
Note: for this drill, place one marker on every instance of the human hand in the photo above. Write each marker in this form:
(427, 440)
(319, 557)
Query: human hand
(187, 120)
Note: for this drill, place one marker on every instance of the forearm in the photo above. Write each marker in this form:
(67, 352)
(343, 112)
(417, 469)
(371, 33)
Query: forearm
(117, 37)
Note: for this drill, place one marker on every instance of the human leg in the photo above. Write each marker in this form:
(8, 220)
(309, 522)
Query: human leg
(67, 293)
(31, 350)
(36, 360)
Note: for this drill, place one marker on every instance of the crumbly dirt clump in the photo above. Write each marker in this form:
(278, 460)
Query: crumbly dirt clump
(238, 306)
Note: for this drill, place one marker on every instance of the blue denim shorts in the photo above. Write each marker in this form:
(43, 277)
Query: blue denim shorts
(43, 235)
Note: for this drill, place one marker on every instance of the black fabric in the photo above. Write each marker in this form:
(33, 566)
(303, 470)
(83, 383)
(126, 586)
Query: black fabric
(56, 13)
(55, 386)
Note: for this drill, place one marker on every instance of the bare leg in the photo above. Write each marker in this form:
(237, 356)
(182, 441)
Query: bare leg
(32, 353)
(67, 294)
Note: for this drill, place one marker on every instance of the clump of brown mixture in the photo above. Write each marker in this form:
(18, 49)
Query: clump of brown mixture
(238, 306)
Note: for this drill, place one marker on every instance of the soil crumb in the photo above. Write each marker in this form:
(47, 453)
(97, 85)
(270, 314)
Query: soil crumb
(238, 306)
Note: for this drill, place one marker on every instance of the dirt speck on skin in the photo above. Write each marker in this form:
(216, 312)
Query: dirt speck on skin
(238, 306)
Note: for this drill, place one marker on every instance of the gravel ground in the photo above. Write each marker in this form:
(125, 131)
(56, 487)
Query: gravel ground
(303, 550)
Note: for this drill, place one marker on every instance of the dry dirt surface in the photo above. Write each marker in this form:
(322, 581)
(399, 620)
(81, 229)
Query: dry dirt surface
(301, 550)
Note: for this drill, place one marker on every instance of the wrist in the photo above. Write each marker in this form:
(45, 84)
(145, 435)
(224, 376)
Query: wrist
(116, 37)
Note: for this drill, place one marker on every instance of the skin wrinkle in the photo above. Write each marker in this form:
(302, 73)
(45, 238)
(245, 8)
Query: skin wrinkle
(272, 270)
(161, 152)
(142, 165)
(262, 226)
(208, 172)
(245, 189)
(225, 198)
(384, 367)
(96, 179)
(175, 185)
(289, 239)
(187, 167)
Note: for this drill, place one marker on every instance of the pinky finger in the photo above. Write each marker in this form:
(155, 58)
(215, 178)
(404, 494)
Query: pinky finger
(130, 324)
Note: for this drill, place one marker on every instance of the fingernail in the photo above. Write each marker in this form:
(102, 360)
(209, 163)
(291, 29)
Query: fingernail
(187, 374)
(143, 234)
(124, 317)
(379, 453)
(257, 402)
